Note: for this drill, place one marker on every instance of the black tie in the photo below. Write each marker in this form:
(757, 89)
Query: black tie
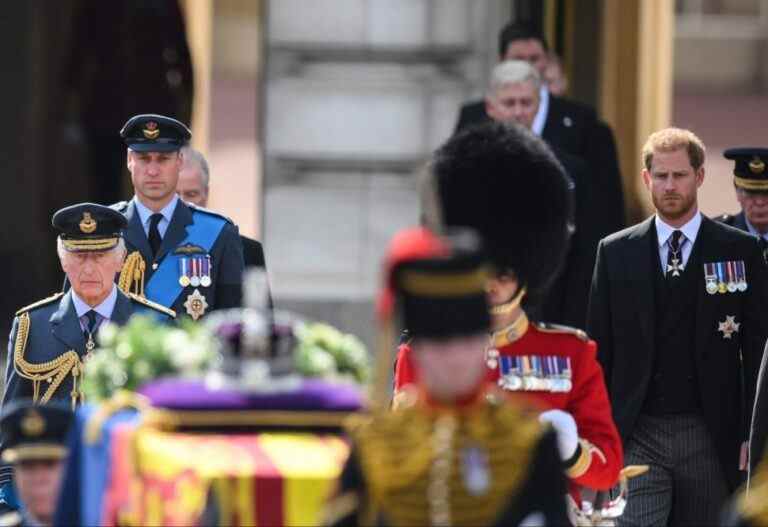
(674, 255)
(91, 321)
(154, 233)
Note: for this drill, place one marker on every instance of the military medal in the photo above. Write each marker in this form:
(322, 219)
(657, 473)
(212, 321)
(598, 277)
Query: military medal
(731, 272)
(710, 276)
(184, 272)
(676, 266)
(492, 358)
(205, 280)
(196, 305)
(195, 279)
(90, 345)
(729, 326)
(475, 470)
(721, 286)
(510, 377)
(741, 272)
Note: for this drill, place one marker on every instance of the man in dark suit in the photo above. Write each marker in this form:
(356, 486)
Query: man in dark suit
(677, 308)
(193, 187)
(513, 96)
(183, 257)
(563, 123)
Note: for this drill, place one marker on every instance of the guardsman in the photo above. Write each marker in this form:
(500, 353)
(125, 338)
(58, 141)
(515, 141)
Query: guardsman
(456, 452)
(34, 444)
(181, 256)
(750, 178)
(51, 338)
(554, 366)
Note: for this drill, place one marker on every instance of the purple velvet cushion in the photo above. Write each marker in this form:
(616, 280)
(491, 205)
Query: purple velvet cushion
(311, 394)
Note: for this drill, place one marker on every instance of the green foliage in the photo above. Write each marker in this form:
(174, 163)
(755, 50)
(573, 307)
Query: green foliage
(324, 351)
(144, 350)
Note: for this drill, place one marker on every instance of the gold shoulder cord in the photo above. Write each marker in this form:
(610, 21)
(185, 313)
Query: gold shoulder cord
(54, 371)
(132, 274)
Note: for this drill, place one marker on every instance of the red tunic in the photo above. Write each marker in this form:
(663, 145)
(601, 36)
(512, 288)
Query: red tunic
(586, 399)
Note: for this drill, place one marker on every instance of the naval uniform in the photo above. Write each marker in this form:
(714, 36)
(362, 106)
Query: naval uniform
(198, 267)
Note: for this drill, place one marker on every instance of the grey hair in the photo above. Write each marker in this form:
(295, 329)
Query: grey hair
(513, 72)
(190, 155)
(117, 249)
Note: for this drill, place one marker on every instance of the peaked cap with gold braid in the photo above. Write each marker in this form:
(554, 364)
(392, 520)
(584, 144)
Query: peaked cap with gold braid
(750, 170)
(88, 227)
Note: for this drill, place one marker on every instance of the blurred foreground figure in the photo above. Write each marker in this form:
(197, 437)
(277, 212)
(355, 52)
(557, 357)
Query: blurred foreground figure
(455, 452)
(34, 444)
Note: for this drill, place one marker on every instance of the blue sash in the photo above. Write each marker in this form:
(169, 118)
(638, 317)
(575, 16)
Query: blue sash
(164, 287)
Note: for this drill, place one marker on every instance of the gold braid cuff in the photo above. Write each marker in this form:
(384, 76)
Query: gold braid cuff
(53, 371)
(132, 274)
(584, 461)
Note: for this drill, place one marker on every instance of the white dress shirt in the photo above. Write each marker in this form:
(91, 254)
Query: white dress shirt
(664, 232)
(145, 214)
(103, 310)
(541, 114)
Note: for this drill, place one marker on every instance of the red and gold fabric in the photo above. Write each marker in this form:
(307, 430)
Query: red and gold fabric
(586, 399)
(173, 478)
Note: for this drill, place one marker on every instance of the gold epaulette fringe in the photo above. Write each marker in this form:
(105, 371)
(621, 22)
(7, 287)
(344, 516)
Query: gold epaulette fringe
(154, 305)
(132, 274)
(39, 303)
(53, 371)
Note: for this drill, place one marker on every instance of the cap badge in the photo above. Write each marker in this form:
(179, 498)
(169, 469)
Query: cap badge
(757, 166)
(33, 424)
(88, 224)
(150, 130)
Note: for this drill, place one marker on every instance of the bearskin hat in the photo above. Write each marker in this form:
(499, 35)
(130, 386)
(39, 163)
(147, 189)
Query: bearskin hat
(505, 183)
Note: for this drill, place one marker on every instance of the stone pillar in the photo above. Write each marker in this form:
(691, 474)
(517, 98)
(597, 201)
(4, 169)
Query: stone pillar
(636, 83)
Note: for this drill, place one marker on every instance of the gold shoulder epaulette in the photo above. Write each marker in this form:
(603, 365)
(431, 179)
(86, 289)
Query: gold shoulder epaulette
(559, 328)
(157, 307)
(39, 303)
(10, 519)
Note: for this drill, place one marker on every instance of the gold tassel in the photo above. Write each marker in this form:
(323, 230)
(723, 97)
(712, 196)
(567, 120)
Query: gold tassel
(132, 274)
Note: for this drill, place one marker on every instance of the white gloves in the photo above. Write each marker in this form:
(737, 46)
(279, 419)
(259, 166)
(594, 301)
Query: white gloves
(567, 432)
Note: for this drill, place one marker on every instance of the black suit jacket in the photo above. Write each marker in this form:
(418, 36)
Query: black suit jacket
(574, 128)
(253, 253)
(226, 255)
(566, 301)
(621, 319)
